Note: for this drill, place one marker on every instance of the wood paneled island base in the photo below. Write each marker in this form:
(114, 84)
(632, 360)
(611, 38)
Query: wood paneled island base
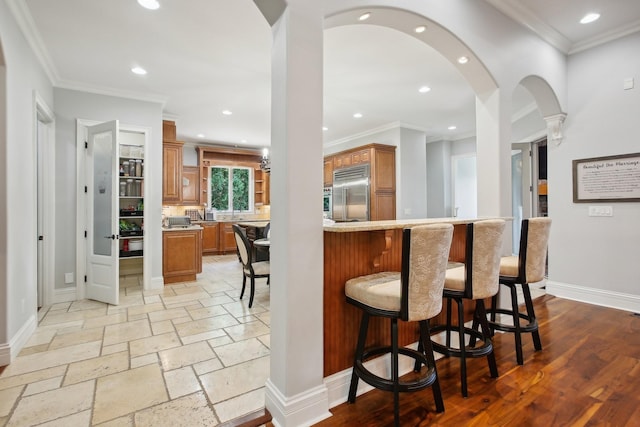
(357, 249)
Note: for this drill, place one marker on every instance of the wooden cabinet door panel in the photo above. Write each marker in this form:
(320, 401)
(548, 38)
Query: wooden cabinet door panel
(385, 171)
(328, 172)
(190, 191)
(210, 237)
(228, 242)
(172, 173)
(181, 255)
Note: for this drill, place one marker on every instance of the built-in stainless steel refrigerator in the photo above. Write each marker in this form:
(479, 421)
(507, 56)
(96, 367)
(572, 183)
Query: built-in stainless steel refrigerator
(351, 194)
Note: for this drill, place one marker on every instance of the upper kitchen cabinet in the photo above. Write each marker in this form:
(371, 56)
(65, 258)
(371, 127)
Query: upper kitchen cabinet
(168, 131)
(172, 173)
(328, 172)
(382, 169)
(171, 165)
(190, 185)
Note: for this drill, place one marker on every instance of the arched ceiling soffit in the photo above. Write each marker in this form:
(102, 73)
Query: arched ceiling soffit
(543, 94)
(436, 36)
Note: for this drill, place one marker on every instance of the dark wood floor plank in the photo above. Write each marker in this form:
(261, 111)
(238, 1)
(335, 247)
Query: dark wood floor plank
(587, 374)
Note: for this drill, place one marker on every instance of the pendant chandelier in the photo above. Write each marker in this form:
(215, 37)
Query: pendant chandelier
(265, 163)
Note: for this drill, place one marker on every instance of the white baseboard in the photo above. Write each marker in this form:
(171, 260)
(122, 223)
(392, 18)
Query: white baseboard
(301, 410)
(64, 295)
(156, 283)
(595, 296)
(9, 351)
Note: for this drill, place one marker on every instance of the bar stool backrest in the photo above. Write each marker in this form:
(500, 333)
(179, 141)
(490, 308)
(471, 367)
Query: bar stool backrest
(482, 258)
(533, 249)
(425, 251)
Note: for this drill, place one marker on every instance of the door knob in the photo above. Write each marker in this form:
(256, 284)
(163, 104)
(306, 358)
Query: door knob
(112, 237)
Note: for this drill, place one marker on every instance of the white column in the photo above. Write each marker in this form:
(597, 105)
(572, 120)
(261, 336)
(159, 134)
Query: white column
(295, 392)
(493, 145)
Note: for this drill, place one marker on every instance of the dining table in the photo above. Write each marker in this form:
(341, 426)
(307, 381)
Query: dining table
(262, 244)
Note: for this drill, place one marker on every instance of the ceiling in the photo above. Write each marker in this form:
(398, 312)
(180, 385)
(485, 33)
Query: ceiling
(207, 56)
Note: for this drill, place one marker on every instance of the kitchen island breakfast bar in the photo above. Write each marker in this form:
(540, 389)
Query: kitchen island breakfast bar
(358, 248)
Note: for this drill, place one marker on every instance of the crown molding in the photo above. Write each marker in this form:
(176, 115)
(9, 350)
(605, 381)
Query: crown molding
(25, 21)
(102, 90)
(620, 32)
(522, 15)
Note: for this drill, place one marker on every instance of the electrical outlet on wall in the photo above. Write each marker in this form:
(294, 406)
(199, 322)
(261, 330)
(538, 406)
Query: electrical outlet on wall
(68, 277)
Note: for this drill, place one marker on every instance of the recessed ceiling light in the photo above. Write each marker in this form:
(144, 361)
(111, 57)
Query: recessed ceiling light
(424, 89)
(420, 29)
(589, 17)
(357, 115)
(325, 128)
(452, 128)
(463, 60)
(200, 135)
(139, 70)
(149, 4)
(227, 112)
(244, 141)
(364, 16)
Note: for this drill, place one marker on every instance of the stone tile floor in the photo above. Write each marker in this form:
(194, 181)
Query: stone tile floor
(192, 354)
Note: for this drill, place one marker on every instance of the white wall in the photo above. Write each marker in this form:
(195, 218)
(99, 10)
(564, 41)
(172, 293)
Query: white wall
(411, 172)
(438, 158)
(71, 105)
(24, 75)
(596, 253)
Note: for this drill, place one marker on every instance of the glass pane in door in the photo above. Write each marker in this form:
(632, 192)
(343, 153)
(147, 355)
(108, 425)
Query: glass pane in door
(102, 193)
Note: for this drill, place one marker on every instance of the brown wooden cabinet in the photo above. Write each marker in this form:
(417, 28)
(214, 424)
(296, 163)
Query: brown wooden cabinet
(210, 237)
(190, 185)
(227, 238)
(328, 172)
(382, 161)
(261, 187)
(181, 255)
(172, 173)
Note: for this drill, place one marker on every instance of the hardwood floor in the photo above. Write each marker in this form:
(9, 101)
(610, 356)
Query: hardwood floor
(587, 374)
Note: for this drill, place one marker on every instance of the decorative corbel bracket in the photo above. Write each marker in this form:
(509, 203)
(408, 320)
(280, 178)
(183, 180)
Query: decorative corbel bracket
(554, 127)
(380, 245)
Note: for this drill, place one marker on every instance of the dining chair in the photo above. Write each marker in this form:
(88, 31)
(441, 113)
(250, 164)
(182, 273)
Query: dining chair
(250, 269)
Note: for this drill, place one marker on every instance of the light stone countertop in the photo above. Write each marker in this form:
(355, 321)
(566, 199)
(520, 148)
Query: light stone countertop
(189, 228)
(346, 227)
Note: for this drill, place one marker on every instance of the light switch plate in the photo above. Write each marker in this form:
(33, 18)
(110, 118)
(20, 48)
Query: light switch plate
(628, 83)
(600, 210)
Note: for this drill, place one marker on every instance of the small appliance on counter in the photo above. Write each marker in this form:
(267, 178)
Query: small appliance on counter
(193, 214)
(211, 215)
(178, 221)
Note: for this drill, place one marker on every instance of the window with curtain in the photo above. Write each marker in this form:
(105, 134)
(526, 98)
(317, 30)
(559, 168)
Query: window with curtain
(231, 188)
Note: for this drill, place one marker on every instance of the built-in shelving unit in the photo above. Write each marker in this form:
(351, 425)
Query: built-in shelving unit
(131, 198)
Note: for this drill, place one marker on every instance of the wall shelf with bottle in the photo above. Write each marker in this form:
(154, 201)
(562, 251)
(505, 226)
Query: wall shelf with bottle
(131, 201)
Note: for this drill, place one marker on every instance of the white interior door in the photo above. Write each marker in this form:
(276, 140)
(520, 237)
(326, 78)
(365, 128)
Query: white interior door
(102, 213)
(465, 186)
(521, 190)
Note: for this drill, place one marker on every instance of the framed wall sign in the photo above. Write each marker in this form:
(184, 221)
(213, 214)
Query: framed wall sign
(607, 179)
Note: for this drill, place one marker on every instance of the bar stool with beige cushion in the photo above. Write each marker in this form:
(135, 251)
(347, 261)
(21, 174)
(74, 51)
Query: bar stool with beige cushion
(476, 280)
(527, 267)
(413, 295)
